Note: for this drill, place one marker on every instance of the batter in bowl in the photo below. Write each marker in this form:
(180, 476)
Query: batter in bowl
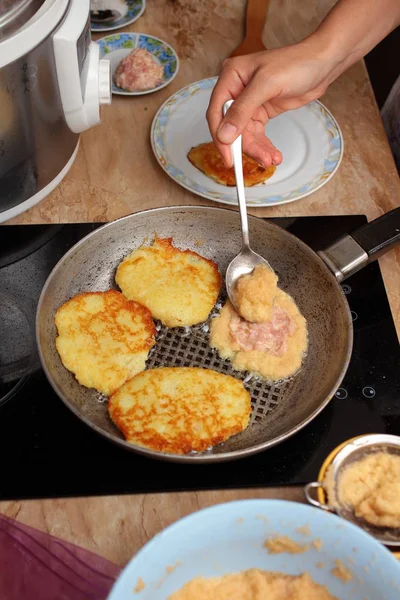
(371, 488)
(254, 584)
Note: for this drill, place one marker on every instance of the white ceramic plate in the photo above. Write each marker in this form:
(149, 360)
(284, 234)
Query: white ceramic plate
(134, 10)
(309, 138)
(117, 46)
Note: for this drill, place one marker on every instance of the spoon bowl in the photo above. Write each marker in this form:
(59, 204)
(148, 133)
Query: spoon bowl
(245, 262)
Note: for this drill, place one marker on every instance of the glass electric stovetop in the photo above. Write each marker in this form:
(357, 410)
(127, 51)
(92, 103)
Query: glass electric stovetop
(47, 452)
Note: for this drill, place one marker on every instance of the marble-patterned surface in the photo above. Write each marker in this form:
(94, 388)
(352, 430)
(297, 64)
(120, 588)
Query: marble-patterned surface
(116, 174)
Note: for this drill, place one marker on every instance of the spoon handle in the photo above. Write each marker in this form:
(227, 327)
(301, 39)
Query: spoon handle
(236, 149)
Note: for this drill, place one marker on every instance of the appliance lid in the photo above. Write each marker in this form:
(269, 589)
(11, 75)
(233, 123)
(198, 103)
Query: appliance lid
(23, 29)
(15, 14)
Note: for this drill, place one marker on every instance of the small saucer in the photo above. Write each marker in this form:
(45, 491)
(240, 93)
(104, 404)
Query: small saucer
(109, 20)
(117, 46)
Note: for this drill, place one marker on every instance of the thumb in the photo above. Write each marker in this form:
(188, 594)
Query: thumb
(243, 109)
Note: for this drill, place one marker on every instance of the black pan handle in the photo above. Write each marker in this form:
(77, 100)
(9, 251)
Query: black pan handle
(353, 251)
(379, 236)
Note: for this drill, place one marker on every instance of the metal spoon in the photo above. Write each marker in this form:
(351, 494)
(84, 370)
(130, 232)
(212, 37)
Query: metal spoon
(246, 260)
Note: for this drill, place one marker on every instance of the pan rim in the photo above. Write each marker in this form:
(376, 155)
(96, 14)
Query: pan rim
(196, 458)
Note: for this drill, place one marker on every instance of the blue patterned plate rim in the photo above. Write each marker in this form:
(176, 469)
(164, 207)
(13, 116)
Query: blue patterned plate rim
(333, 161)
(134, 13)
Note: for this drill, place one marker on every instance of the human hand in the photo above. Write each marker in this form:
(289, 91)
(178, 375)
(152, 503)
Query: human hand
(263, 85)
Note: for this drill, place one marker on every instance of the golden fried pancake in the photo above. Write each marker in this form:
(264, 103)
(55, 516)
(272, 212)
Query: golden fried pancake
(103, 338)
(178, 410)
(179, 287)
(207, 159)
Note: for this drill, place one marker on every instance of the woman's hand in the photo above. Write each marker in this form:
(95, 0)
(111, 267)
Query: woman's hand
(266, 84)
(263, 85)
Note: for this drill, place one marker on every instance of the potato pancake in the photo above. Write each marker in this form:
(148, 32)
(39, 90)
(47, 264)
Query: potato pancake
(179, 287)
(103, 338)
(207, 159)
(180, 410)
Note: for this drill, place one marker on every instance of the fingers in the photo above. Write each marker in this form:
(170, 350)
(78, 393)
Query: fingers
(240, 80)
(258, 146)
(228, 86)
(277, 156)
(242, 110)
(262, 146)
(226, 154)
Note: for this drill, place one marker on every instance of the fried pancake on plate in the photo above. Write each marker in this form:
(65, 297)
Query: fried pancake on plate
(207, 159)
(103, 338)
(179, 287)
(179, 410)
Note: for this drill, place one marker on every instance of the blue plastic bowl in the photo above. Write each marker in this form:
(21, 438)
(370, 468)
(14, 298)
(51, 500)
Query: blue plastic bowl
(229, 537)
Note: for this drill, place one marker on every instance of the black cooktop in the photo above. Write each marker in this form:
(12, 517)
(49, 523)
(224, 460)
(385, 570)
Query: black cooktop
(47, 452)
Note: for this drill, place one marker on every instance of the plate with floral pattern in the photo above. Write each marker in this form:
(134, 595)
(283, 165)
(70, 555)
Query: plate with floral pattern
(117, 46)
(309, 138)
(131, 11)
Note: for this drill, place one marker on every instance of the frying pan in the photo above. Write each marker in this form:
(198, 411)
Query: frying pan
(312, 279)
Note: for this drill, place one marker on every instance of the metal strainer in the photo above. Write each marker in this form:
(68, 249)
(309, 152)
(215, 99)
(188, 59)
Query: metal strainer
(348, 453)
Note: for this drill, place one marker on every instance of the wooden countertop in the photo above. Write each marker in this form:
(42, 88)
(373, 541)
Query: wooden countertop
(116, 174)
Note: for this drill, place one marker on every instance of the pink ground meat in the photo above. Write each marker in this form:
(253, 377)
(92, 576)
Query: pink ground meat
(138, 72)
(270, 337)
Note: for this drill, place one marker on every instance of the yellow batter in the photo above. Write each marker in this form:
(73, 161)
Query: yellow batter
(255, 294)
(371, 487)
(253, 584)
(282, 544)
(341, 572)
(270, 366)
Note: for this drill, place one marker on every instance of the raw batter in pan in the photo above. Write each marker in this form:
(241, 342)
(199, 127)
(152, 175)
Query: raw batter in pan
(273, 348)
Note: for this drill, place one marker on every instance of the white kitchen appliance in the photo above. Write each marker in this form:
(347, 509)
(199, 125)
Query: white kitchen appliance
(52, 86)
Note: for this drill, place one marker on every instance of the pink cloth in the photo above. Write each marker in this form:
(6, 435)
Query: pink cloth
(38, 566)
